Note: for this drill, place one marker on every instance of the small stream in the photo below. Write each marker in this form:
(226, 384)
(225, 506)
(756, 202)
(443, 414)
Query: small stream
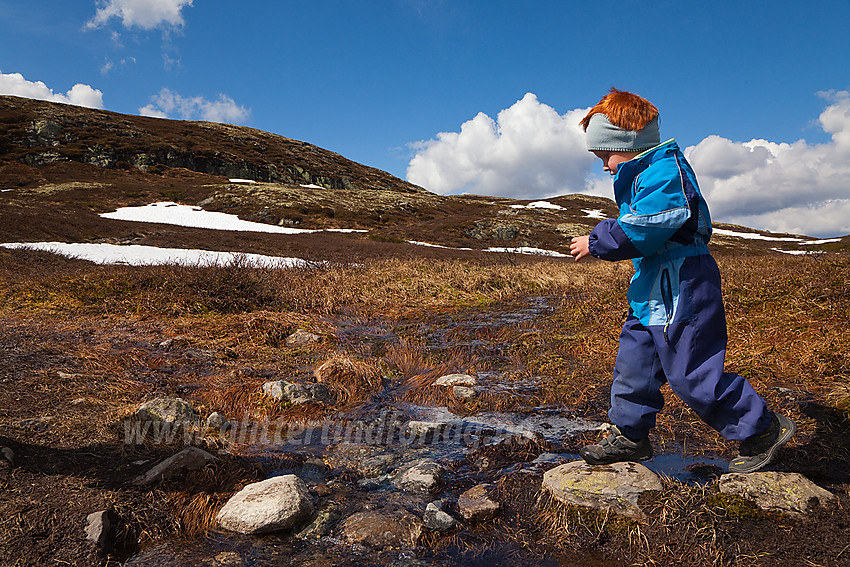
(367, 446)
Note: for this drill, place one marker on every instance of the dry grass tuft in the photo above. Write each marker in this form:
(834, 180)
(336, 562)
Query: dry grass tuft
(351, 381)
(235, 395)
(408, 359)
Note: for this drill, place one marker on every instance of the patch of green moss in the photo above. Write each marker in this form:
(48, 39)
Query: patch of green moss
(734, 505)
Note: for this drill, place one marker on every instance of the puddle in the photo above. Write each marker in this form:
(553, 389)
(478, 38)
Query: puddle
(689, 470)
(686, 469)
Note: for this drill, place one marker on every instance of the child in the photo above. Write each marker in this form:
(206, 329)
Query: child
(676, 328)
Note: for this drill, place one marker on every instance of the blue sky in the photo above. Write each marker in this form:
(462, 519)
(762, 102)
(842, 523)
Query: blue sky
(478, 96)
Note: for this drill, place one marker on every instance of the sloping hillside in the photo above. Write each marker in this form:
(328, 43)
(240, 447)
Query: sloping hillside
(61, 165)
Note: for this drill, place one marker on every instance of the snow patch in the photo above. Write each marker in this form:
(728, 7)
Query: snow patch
(417, 243)
(195, 217)
(594, 214)
(539, 205)
(754, 236)
(237, 180)
(797, 252)
(136, 255)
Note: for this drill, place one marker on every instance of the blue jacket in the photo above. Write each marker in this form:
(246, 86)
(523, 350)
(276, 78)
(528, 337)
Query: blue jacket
(663, 220)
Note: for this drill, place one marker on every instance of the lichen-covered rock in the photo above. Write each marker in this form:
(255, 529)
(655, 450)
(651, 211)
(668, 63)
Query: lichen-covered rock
(422, 429)
(424, 476)
(169, 410)
(46, 132)
(298, 393)
(324, 519)
(475, 505)
(614, 487)
(464, 392)
(274, 504)
(791, 493)
(302, 338)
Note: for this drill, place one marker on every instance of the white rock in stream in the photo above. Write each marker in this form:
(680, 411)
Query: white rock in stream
(218, 421)
(475, 505)
(456, 380)
(275, 504)
(387, 528)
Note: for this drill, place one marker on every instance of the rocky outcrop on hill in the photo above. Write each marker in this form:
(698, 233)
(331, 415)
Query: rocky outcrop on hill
(38, 133)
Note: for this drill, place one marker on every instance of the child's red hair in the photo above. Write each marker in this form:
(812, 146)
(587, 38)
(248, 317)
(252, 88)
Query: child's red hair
(624, 110)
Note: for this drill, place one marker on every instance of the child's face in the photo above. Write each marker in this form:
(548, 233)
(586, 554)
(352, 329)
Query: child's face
(610, 160)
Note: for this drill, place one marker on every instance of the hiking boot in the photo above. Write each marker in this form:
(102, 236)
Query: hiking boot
(616, 448)
(758, 450)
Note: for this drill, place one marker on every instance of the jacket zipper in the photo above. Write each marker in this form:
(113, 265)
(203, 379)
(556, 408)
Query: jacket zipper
(667, 297)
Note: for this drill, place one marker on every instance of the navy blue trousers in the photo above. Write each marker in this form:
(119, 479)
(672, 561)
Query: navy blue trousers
(689, 356)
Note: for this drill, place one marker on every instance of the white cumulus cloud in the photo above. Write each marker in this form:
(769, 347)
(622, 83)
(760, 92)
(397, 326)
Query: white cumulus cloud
(532, 152)
(529, 151)
(797, 187)
(145, 14)
(80, 94)
(168, 104)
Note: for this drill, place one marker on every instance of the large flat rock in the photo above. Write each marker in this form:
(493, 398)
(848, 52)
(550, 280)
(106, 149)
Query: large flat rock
(614, 487)
(790, 493)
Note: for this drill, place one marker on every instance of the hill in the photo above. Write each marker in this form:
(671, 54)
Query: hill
(61, 166)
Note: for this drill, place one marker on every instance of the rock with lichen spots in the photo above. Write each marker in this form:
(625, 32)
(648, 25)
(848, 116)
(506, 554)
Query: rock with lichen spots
(615, 487)
(790, 493)
(174, 411)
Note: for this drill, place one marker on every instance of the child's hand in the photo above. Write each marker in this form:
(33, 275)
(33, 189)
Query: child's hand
(580, 247)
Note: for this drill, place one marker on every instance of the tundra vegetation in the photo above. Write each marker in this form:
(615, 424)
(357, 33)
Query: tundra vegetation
(84, 344)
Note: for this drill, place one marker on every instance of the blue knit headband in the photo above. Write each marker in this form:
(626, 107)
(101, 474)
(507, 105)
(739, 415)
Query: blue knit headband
(603, 136)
